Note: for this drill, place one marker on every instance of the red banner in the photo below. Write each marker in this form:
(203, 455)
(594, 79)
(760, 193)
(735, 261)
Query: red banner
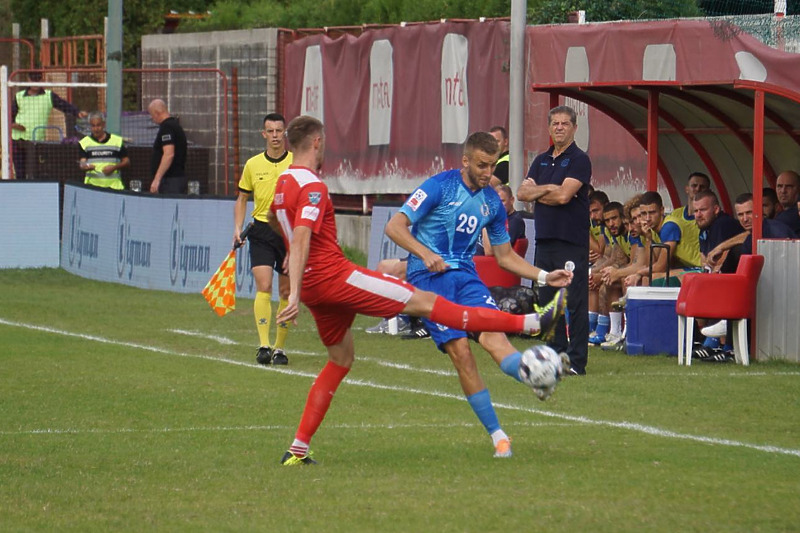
(398, 102)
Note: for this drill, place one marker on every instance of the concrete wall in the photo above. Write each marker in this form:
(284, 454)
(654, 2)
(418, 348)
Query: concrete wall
(353, 231)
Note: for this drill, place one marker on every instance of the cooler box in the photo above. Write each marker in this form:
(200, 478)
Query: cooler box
(652, 321)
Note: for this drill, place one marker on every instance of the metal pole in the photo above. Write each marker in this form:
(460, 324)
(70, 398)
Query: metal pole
(114, 67)
(516, 95)
(5, 115)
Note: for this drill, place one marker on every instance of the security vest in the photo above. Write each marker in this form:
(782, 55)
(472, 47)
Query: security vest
(102, 155)
(32, 112)
(503, 159)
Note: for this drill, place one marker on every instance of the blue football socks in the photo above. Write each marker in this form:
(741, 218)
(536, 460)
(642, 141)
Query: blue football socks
(481, 403)
(510, 365)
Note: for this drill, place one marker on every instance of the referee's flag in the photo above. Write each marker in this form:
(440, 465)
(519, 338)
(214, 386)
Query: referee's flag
(220, 291)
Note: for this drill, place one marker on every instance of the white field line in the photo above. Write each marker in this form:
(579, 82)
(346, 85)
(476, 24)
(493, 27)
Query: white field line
(392, 426)
(631, 426)
(388, 364)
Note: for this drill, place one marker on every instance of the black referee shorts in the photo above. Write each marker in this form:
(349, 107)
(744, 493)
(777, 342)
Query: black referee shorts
(266, 247)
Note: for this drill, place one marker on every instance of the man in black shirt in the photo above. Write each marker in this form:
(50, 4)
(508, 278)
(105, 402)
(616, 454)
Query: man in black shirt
(169, 152)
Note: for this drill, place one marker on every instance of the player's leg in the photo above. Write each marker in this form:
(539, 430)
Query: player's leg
(262, 311)
(477, 394)
(283, 328)
(334, 329)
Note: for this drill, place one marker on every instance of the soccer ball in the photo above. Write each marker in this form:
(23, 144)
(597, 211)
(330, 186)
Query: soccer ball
(541, 369)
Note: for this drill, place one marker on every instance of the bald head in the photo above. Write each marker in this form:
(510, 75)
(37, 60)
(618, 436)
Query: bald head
(158, 110)
(787, 187)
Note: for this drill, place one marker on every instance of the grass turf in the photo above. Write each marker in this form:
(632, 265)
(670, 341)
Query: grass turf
(124, 409)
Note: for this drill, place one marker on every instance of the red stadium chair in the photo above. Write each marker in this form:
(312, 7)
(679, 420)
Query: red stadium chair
(490, 272)
(722, 296)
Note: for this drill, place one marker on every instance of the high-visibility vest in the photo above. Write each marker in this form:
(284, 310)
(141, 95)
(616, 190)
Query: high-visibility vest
(32, 112)
(102, 155)
(503, 159)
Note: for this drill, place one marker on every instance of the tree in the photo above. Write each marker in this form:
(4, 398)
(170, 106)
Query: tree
(557, 11)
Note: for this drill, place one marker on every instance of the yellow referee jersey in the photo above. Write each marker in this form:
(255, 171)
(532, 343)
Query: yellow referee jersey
(259, 178)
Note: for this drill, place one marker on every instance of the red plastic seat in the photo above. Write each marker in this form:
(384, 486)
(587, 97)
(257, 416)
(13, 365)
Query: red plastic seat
(722, 296)
(490, 272)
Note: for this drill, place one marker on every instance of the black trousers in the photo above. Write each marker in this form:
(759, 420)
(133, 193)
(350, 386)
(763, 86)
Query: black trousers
(552, 254)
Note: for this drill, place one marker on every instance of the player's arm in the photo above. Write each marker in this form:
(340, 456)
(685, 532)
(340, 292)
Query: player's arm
(298, 257)
(163, 166)
(509, 260)
(397, 229)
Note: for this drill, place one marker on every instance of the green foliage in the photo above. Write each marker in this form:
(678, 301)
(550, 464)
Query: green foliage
(557, 11)
(85, 18)
(229, 14)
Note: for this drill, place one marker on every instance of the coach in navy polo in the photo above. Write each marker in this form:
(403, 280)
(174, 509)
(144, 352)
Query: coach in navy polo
(558, 181)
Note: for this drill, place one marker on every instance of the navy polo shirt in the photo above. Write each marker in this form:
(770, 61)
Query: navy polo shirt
(568, 222)
(723, 228)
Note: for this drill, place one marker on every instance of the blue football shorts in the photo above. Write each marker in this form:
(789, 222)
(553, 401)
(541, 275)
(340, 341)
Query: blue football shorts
(459, 286)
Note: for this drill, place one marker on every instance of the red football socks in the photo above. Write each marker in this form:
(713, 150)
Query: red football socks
(319, 399)
(465, 318)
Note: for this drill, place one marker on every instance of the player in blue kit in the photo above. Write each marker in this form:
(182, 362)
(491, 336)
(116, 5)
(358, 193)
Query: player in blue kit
(446, 215)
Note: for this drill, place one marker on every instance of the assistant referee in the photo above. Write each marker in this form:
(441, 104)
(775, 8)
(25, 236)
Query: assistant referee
(267, 250)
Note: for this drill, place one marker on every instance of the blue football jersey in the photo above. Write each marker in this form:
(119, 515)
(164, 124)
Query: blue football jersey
(448, 217)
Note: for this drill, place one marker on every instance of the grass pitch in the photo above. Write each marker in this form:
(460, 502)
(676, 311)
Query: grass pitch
(127, 410)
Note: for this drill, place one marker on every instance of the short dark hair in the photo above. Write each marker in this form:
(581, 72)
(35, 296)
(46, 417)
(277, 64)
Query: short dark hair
(481, 140)
(614, 206)
(769, 192)
(563, 109)
(506, 189)
(274, 117)
(700, 175)
(707, 194)
(598, 196)
(743, 198)
(650, 198)
(501, 129)
(300, 131)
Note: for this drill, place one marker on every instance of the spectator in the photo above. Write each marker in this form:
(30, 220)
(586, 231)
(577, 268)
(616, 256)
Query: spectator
(558, 181)
(715, 226)
(515, 222)
(738, 245)
(770, 202)
(500, 176)
(169, 152)
(597, 242)
(788, 189)
(30, 113)
(616, 253)
(102, 155)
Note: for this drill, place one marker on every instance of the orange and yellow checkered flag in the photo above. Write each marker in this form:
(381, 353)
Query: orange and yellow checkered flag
(220, 291)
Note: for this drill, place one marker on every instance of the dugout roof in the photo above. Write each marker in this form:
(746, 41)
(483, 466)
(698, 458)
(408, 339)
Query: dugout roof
(696, 94)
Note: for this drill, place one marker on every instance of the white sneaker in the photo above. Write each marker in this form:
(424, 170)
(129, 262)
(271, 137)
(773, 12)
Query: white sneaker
(613, 342)
(720, 329)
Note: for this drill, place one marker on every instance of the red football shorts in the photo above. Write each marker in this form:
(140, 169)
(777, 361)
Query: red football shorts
(335, 303)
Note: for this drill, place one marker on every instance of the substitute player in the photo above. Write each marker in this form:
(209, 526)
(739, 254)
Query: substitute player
(267, 250)
(447, 213)
(335, 290)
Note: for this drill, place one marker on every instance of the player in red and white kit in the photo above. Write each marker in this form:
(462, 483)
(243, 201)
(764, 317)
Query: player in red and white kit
(335, 290)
